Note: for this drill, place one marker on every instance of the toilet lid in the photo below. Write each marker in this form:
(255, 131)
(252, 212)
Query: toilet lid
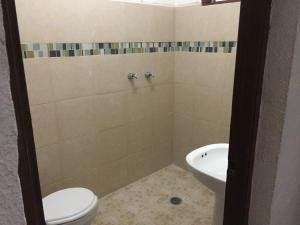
(68, 205)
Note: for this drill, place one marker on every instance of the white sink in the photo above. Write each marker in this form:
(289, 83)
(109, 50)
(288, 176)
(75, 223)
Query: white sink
(209, 165)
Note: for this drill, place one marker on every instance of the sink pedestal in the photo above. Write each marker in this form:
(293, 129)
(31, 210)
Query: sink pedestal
(209, 165)
(218, 209)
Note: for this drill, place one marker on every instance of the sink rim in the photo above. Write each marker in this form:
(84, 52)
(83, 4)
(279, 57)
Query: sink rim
(191, 156)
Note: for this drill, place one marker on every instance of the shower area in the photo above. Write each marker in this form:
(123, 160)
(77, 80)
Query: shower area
(120, 92)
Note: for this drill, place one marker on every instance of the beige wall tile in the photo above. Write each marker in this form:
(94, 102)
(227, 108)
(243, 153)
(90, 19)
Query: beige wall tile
(130, 22)
(222, 26)
(149, 160)
(89, 179)
(114, 175)
(226, 106)
(223, 134)
(208, 79)
(116, 130)
(139, 108)
(162, 100)
(163, 129)
(78, 154)
(76, 117)
(203, 69)
(140, 164)
(207, 103)
(183, 99)
(185, 67)
(51, 188)
(49, 164)
(162, 155)
(162, 67)
(140, 134)
(180, 150)
(39, 82)
(110, 110)
(112, 145)
(204, 133)
(71, 77)
(139, 64)
(109, 74)
(156, 22)
(111, 71)
(228, 70)
(209, 71)
(183, 129)
(139, 104)
(44, 124)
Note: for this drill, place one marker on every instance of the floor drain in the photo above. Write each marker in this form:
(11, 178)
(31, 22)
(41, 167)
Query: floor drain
(176, 201)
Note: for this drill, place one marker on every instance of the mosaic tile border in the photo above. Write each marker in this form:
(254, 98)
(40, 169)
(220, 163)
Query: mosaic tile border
(40, 50)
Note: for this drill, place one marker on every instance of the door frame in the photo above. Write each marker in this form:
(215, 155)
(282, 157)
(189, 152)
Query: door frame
(28, 170)
(250, 63)
(248, 82)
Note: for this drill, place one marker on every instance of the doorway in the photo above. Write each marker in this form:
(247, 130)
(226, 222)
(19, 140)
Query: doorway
(245, 97)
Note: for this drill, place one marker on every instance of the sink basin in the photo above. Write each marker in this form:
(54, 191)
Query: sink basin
(209, 165)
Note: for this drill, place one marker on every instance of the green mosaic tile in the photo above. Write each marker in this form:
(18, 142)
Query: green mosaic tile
(115, 45)
(79, 52)
(96, 52)
(29, 54)
(50, 46)
(65, 53)
(24, 47)
(226, 50)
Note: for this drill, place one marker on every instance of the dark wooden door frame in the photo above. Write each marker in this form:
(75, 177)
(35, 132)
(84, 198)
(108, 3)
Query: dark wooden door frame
(251, 52)
(250, 63)
(28, 171)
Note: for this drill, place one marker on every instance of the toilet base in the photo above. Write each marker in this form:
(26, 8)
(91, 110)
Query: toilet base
(219, 210)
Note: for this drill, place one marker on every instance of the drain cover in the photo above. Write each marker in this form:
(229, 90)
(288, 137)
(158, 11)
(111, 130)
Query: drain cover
(176, 201)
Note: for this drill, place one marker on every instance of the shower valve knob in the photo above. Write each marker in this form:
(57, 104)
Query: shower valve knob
(149, 75)
(132, 76)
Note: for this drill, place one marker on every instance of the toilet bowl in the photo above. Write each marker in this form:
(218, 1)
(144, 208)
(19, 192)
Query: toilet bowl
(72, 206)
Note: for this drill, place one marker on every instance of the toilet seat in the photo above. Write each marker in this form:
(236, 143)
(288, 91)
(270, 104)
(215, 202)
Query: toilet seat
(68, 205)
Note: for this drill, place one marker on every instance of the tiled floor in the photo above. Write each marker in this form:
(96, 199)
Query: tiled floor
(146, 201)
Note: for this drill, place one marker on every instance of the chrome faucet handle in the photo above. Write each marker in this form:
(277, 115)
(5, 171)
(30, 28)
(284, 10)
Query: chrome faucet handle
(132, 76)
(149, 75)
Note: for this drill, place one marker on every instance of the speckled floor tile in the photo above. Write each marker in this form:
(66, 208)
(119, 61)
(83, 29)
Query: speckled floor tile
(147, 201)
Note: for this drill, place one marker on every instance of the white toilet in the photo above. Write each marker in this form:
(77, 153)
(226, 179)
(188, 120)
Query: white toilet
(73, 206)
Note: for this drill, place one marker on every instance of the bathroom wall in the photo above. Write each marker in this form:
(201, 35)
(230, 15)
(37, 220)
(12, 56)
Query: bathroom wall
(275, 197)
(203, 82)
(95, 128)
(286, 202)
(11, 203)
(92, 126)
